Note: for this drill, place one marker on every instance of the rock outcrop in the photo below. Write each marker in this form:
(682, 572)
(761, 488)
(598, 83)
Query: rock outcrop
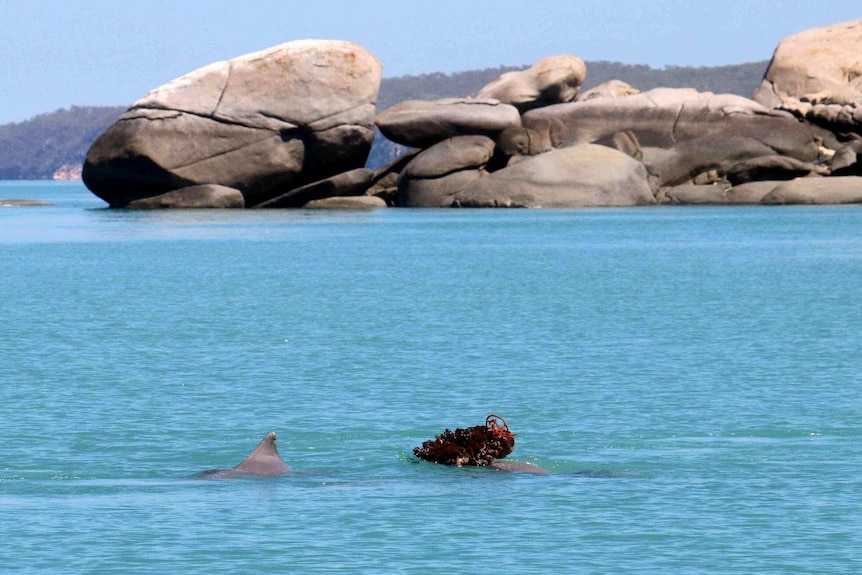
(291, 127)
(553, 80)
(817, 75)
(262, 123)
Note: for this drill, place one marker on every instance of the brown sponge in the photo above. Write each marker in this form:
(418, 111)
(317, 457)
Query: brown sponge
(478, 446)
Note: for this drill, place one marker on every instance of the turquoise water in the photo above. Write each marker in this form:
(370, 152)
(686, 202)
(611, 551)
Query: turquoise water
(706, 360)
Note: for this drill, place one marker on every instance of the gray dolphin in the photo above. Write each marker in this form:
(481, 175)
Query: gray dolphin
(518, 466)
(264, 460)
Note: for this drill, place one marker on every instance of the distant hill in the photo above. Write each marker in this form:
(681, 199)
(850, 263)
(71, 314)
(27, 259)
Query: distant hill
(54, 145)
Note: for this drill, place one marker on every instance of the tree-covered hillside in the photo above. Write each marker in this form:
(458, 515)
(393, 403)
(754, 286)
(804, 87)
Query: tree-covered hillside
(55, 144)
(38, 148)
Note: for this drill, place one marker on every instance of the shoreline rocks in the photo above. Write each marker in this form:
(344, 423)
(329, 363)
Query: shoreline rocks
(291, 126)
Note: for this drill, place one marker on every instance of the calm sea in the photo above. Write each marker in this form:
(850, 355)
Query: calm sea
(706, 361)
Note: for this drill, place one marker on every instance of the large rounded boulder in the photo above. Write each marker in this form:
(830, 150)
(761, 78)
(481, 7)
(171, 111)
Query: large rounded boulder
(587, 175)
(261, 123)
(817, 74)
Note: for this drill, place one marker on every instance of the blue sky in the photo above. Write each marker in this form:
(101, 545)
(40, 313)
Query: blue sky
(54, 54)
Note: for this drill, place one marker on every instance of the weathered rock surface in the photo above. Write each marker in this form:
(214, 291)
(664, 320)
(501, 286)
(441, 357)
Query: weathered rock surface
(262, 123)
(520, 141)
(610, 89)
(553, 80)
(817, 74)
(193, 197)
(586, 175)
(751, 193)
(847, 160)
(627, 143)
(420, 123)
(683, 132)
(833, 190)
(437, 174)
(351, 183)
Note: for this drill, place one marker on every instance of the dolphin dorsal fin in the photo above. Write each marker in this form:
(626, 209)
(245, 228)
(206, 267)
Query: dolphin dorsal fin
(264, 460)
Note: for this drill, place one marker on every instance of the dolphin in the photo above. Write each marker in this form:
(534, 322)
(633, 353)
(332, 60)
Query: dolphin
(518, 466)
(263, 461)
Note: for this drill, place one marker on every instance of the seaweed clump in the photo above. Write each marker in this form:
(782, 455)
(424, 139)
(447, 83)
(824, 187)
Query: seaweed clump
(477, 446)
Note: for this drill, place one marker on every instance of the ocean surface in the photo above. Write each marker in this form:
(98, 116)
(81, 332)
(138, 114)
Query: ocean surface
(705, 363)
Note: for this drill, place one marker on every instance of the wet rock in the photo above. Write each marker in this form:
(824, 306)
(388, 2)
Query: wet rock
(347, 203)
(352, 183)
(192, 197)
